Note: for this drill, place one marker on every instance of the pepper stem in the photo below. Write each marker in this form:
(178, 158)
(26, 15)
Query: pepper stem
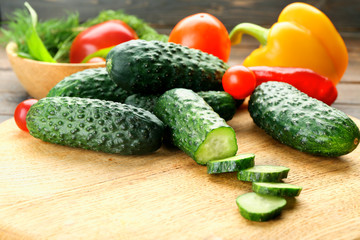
(256, 31)
(100, 53)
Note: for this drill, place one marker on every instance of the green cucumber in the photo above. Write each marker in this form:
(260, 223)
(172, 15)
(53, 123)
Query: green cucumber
(96, 125)
(221, 102)
(276, 189)
(141, 66)
(260, 208)
(194, 127)
(263, 173)
(90, 83)
(302, 122)
(145, 101)
(231, 164)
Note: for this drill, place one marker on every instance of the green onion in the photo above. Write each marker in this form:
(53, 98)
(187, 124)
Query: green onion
(36, 47)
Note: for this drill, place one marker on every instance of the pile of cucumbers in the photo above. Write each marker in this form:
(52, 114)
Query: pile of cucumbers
(151, 91)
(179, 89)
(148, 89)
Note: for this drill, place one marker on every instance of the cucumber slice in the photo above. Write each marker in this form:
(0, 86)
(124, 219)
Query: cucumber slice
(258, 207)
(276, 189)
(231, 164)
(263, 173)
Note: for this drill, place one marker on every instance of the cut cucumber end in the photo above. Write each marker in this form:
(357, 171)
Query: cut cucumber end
(219, 143)
(258, 207)
(276, 189)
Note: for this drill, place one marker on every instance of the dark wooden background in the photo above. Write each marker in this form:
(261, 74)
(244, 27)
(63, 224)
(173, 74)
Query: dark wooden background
(166, 13)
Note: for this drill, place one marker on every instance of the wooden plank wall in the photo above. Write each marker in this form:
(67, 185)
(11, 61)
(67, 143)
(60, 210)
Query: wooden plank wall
(166, 13)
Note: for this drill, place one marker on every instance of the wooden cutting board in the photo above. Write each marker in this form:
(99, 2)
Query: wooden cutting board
(55, 192)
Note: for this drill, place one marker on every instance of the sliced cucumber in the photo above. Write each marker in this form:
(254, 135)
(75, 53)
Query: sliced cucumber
(263, 173)
(258, 207)
(276, 189)
(194, 127)
(231, 164)
(219, 143)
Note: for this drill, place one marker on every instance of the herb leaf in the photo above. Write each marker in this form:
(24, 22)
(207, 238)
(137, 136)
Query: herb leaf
(57, 34)
(142, 29)
(36, 47)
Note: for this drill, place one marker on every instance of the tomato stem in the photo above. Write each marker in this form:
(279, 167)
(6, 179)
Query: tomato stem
(100, 53)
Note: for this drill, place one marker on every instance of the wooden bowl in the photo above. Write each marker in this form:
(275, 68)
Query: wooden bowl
(39, 77)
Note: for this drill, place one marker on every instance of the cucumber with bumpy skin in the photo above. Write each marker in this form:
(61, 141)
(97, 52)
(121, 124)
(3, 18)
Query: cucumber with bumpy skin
(263, 173)
(145, 101)
(302, 122)
(258, 207)
(231, 164)
(154, 67)
(276, 189)
(194, 126)
(96, 125)
(221, 102)
(92, 83)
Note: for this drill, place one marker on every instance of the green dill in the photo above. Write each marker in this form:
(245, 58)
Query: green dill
(58, 34)
(53, 32)
(142, 29)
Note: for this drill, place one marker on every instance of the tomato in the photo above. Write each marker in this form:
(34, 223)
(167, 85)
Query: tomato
(96, 60)
(99, 36)
(239, 81)
(204, 32)
(21, 112)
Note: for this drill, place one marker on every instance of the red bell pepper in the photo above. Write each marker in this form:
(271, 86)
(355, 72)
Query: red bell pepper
(100, 36)
(305, 80)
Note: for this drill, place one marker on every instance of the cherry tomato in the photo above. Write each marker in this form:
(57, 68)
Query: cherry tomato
(96, 60)
(99, 36)
(21, 112)
(204, 32)
(239, 81)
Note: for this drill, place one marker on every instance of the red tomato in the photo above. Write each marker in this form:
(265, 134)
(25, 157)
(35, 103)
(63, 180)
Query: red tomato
(96, 60)
(21, 112)
(239, 81)
(204, 32)
(103, 35)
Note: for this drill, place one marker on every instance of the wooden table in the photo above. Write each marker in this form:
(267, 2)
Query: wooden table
(12, 93)
(54, 192)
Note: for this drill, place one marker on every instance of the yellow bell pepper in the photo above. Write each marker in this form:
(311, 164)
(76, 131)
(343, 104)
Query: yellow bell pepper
(303, 37)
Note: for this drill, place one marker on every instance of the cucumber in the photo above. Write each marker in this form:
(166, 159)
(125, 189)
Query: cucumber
(141, 66)
(90, 83)
(302, 122)
(221, 102)
(96, 125)
(145, 101)
(276, 189)
(260, 208)
(231, 164)
(263, 173)
(194, 127)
